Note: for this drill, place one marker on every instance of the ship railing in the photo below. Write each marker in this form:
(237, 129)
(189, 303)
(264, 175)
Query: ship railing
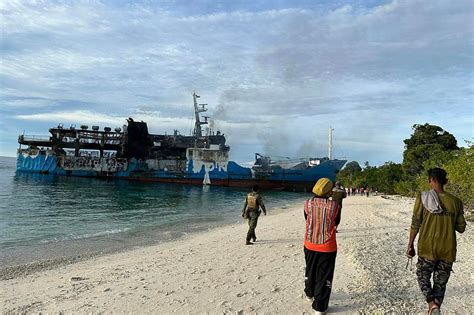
(23, 151)
(34, 138)
(92, 141)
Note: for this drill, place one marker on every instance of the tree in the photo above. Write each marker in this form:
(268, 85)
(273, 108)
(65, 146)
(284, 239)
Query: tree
(427, 141)
(460, 171)
(368, 178)
(352, 167)
(388, 175)
(349, 173)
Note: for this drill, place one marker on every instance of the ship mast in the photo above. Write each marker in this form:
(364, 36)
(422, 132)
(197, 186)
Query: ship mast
(331, 129)
(198, 108)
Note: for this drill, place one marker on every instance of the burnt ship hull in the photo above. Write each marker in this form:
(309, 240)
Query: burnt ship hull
(133, 153)
(227, 174)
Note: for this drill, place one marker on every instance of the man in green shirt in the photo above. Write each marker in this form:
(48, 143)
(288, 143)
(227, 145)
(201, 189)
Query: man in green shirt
(253, 202)
(437, 216)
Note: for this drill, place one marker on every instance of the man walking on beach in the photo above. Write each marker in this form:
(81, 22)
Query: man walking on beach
(320, 247)
(437, 216)
(338, 193)
(253, 202)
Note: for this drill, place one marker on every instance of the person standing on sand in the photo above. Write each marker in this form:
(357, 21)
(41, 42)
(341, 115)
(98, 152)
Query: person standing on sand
(437, 216)
(320, 247)
(251, 211)
(338, 193)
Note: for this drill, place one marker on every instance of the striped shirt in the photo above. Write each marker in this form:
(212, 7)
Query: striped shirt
(320, 234)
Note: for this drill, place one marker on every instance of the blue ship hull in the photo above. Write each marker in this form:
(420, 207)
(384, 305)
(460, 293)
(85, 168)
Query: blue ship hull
(135, 154)
(226, 173)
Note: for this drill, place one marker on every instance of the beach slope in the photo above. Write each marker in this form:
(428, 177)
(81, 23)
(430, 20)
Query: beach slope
(215, 272)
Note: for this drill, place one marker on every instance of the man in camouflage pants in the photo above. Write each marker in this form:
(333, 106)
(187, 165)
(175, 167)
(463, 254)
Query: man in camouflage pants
(253, 202)
(441, 271)
(437, 216)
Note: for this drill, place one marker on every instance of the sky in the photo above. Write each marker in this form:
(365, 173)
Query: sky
(276, 74)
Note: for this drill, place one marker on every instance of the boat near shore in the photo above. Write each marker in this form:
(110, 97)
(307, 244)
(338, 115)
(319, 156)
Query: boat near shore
(133, 153)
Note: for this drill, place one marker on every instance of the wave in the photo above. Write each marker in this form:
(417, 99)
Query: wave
(84, 236)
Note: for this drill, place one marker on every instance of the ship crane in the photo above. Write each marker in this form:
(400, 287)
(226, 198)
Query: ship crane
(199, 108)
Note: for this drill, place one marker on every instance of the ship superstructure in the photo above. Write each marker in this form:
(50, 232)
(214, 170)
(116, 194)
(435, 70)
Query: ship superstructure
(131, 152)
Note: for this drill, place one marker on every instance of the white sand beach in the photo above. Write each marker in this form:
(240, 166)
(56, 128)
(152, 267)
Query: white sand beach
(214, 272)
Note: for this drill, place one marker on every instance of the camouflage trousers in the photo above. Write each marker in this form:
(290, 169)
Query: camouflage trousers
(253, 220)
(441, 271)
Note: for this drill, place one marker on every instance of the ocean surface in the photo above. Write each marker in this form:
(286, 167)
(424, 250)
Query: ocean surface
(47, 217)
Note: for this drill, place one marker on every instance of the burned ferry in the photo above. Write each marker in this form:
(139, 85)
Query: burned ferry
(133, 153)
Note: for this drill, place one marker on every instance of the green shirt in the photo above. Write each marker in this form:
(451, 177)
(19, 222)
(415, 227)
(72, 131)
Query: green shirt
(437, 232)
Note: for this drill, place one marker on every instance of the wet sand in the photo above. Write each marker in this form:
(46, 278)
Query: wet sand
(215, 272)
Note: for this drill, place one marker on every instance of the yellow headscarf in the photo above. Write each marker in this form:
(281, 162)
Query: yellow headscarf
(322, 187)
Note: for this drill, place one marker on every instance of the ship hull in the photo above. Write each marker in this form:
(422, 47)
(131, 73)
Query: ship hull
(227, 174)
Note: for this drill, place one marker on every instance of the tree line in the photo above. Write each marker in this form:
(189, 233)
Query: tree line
(429, 146)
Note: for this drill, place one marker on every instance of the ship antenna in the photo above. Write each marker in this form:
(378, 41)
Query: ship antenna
(331, 129)
(198, 108)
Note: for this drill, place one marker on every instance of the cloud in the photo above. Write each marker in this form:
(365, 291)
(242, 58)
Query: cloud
(24, 101)
(154, 120)
(361, 68)
(73, 117)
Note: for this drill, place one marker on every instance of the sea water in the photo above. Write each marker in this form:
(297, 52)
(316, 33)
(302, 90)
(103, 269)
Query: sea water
(44, 216)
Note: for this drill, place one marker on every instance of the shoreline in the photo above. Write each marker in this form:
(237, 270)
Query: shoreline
(73, 251)
(31, 266)
(213, 271)
(70, 220)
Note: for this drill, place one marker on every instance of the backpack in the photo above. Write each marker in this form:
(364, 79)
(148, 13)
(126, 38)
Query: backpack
(252, 201)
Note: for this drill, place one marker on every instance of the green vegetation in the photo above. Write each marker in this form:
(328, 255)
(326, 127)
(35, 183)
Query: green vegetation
(429, 146)
(427, 142)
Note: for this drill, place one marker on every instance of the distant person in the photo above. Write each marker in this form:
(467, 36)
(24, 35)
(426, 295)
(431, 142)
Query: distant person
(367, 192)
(251, 211)
(338, 193)
(320, 247)
(437, 216)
